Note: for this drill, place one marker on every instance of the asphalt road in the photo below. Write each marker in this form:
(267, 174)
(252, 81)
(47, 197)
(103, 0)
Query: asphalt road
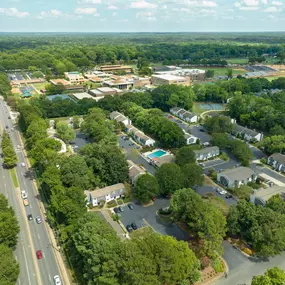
(47, 267)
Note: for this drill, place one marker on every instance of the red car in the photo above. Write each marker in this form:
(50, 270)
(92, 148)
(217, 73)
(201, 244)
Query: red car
(170, 117)
(39, 254)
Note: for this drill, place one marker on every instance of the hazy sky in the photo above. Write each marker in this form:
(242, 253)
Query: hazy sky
(141, 15)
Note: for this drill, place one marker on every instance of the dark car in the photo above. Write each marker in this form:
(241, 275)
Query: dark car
(7, 127)
(229, 196)
(134, 226)
(117, 210)
(131, 206)
(30, 217)
(129, 228)
(202, 130)
(9, 117)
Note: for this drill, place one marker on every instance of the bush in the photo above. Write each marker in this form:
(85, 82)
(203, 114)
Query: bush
(112, 204)
(224, 156)
(116, 217)
(164, 211)
(217, 264)
(247, 251)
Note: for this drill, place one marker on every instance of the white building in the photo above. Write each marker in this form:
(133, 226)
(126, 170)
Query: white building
(190, 139)
(134, 171)
(184, 115)
(120, 118)
(105, 194)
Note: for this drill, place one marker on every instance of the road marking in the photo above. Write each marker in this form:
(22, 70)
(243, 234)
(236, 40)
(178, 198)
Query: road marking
(27, 266)
(44, 255)
(49, 277)
(39, 236)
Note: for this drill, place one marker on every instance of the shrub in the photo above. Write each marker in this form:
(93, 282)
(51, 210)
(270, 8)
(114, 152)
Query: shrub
(224, 156)
(217, 264)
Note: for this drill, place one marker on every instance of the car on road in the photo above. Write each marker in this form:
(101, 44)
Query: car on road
(7, 127)
(24, 194)
(202, 130)
(30, 217)
(229, 196)
(221, 191)
(129, 228)
(131, 206)
(121, 209)
(134, 226)
(39, 254)
(23, 164)
(38, 219)
(9, 117)
(56, 280)
(26, 202)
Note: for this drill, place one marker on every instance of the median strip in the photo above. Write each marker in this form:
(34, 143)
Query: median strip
(14, 177)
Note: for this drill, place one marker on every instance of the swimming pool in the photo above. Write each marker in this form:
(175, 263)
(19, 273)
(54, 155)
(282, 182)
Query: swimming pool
(157, 153)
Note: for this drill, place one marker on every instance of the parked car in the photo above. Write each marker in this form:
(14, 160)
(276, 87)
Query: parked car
(129, 228)
(229, 196)
(30, 217)
(202, 130)
(9, 117)
(23, 164)
(121, 209)
(117, 210)
(131, 206)
(56, 280)
(24, 194)
(134, 226)
(39, 254)
(170, 117)
(38, 219)
(26, 202)
(221, 191)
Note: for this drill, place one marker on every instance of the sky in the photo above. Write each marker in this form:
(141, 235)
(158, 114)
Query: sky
(142, 15)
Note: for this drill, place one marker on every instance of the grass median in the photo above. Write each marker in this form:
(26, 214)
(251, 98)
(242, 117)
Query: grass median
(14, 177)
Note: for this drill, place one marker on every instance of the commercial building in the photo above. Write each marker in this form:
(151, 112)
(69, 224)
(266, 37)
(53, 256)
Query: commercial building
(119, 83)
(104, 91)
(74, 77)
(236, 177)
(106, 194)
(167, 79)
(114, 68)
(83, 95)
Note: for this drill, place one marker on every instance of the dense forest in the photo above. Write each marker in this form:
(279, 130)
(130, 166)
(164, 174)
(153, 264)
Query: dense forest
(49, 52)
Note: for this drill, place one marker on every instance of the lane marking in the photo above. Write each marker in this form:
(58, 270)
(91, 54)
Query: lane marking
(27, 265)
(49, 277)
(39, 236)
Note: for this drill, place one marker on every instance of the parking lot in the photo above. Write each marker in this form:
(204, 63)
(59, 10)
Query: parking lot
(143, 216)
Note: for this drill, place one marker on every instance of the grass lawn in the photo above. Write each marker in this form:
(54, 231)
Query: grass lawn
(238, 60)
(220, 71)
(270, 78)
(40, 85)
(142, 232)
(216, 201)
(14, 177)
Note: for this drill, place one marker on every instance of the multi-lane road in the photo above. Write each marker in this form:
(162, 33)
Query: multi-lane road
(32, 236)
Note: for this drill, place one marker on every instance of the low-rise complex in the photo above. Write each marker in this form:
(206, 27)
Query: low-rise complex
(246, 133)
(277, 161)
(115, 68)
(184, 115)
(134, 171)
(190, 139)
(261, 196)
(207, 153)
(236, 177)
(106, 194)
(120, 118)
(74, 77)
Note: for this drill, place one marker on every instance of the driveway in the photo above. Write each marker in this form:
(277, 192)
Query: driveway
(147, 215)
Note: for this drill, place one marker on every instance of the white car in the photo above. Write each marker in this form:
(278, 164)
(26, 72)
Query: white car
(24, 194)
(56, 280)
(23, 164)
(221, 191)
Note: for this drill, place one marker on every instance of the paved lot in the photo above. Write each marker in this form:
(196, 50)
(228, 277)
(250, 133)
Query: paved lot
(147, 215)
(202, 190)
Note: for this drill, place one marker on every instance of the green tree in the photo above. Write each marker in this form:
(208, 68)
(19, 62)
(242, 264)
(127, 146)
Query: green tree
(76, 122)
(52, 89)
(65, 132)
(273, 276)
(9, 268)
(107, 163)
(10, 157)
(220, 140)
(185, 155)
(193, 174)
(205, 221)
(210, 73)
(274, 144)
(75, 172)
(276, 203)
(170, 178)
(146, 187)
(9, 227)
(229, 73)
(218, 124)
(242, 151)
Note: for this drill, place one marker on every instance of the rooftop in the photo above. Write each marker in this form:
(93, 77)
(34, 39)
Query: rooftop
(169, 77)
(134, 169)
(82, 95)
(245, 130)
(206, 150)
(107, 190)
(279, 157)
(267, 193)
(106, 89)
(239, 173)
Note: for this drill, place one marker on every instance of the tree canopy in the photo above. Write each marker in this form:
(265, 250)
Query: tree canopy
(272, 276)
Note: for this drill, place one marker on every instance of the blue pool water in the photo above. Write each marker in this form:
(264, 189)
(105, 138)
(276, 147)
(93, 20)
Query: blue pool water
(157, 153)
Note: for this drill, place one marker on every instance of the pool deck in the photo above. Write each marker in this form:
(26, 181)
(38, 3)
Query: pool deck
(148, 159)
